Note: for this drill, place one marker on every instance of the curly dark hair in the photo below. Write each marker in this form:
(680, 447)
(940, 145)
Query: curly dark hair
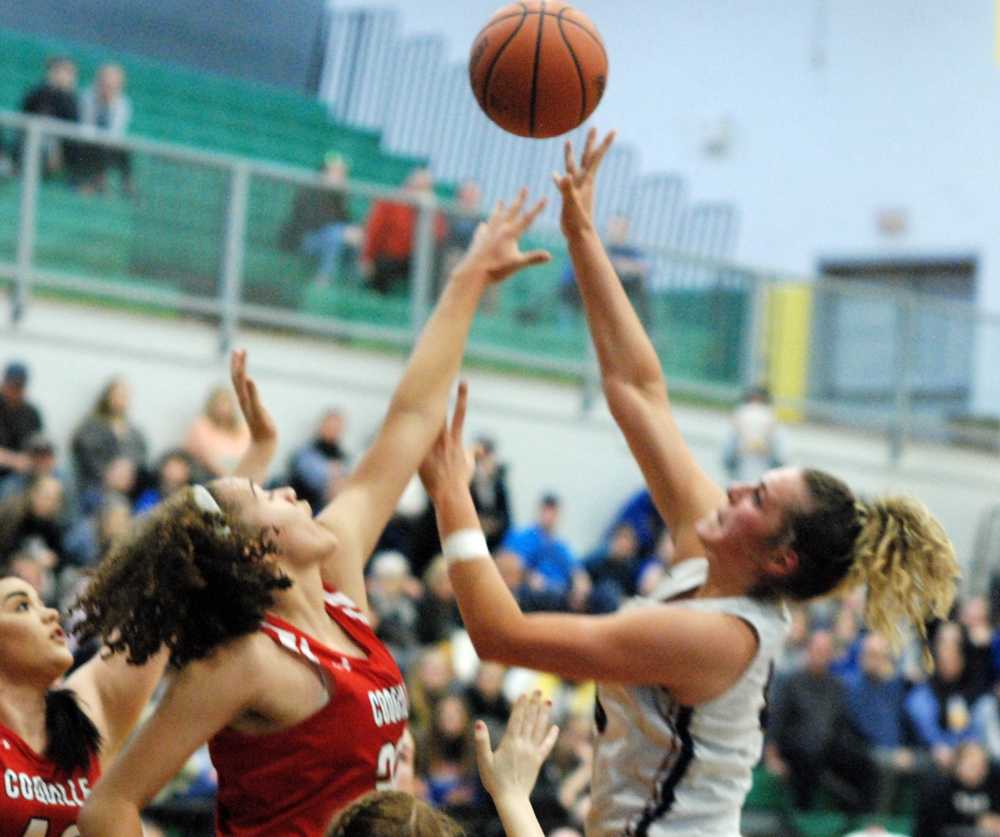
(184, 577)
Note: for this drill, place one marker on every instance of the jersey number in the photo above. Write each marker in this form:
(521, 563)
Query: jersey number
(40, 828)
(388, 761)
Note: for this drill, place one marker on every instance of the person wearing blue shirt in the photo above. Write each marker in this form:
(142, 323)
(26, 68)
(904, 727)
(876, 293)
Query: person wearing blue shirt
(550, 567)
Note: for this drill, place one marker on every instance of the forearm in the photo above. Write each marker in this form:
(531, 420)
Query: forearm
(438, 354)
(518, 817)
(624, 351)
(256, 461)
(489, 610)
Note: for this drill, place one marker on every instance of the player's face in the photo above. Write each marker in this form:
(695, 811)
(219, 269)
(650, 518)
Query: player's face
(754, 515)
(32, 643)
(288, 520)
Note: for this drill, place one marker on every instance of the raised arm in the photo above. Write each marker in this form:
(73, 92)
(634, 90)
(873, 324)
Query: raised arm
(510, 773)
(363, 506)
(698, 655)
(115, 693)
(631, 374)
(206, 696)
(263, 433)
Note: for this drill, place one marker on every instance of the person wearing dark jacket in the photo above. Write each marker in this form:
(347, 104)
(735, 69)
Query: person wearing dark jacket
(965, 802)
(810, 739)
(55, 98)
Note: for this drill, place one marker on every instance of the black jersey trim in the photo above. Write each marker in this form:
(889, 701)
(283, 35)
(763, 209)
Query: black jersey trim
(663, 801)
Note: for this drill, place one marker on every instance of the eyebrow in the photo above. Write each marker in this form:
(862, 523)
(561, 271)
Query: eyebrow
(15, 593)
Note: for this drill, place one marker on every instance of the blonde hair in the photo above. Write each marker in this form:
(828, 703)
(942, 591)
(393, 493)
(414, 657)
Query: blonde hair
(892, 545)
(392, 814)
(907, 563)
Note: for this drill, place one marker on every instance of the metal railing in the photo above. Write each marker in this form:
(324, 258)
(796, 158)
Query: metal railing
(202, 233)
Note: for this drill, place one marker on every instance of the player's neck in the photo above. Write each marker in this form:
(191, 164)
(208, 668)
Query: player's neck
(22, 710)
(726, 579)
(302, 604)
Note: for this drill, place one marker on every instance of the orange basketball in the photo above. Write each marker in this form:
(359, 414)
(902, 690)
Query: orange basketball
(538, 68)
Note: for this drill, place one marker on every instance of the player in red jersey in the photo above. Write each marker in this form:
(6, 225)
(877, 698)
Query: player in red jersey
(263, 608)
(55, 737)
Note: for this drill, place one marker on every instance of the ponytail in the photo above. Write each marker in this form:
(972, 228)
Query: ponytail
(894, 546)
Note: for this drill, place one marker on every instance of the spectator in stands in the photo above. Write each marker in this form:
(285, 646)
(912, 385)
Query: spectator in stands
(630, 264)
(321, 461)
(613, 570)
(320, 224)
(55, 98)
(448, 753)
(793, 654)
(175, 471)
(756, 440)
(41, 455)
(485, 697)
(963, 803)
(981, 669)
(876, 695)
(639, 512)
(390, 588)
(428, 682)
(105, 108)
(810, 740)
(19, 419)
(942, 709)
(218, 437)
(389, 244)
(656, 567)
(33, 514)
(562, 795)
(105, 436)
(437, 611)
(552, 573)
(489, 492)
(92, 537)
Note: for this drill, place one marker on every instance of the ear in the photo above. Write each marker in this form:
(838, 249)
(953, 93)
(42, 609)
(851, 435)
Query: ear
(783, 561)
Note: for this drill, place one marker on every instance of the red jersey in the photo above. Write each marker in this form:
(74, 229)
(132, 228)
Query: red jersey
(293, 781)
(36, 798)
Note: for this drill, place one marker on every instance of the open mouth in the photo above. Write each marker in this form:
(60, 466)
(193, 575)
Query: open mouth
(58, 635)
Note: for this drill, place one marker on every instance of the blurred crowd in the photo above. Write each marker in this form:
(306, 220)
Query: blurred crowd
(843, 707)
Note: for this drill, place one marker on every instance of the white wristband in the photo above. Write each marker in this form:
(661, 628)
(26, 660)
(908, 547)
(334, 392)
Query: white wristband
(465, 545)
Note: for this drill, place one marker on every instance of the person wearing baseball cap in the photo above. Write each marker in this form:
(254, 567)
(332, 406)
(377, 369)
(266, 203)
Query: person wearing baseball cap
(19, 419)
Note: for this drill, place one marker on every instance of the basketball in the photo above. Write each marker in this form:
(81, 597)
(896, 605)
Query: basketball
(538, 68)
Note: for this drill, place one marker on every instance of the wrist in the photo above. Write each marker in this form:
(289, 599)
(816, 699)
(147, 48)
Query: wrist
(467, 274)
(581, 232)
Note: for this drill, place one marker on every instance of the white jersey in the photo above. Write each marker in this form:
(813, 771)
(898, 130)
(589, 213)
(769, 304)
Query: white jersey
(661, 768)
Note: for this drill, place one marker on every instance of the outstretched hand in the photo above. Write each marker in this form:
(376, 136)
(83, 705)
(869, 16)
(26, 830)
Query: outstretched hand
(495, 249)
(513, 769)
(577, 184)
(449, 462)
(258, 419)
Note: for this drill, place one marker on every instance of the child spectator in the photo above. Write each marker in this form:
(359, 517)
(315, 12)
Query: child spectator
(175, 471)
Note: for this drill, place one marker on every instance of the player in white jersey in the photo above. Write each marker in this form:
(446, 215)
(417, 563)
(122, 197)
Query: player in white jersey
(682, 676)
